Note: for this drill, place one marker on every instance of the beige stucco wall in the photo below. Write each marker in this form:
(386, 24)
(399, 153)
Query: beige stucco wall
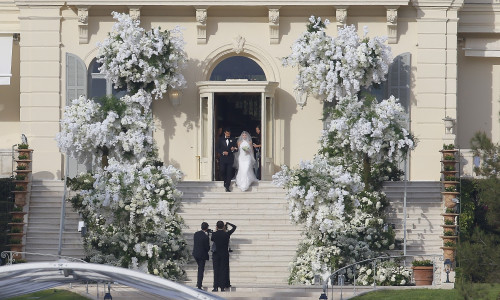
(429, 33)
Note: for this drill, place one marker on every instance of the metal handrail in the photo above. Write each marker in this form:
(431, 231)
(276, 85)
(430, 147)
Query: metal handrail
(332, 276)
(10, 256)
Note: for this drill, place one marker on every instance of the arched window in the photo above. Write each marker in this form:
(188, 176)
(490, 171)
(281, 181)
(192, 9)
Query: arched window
(99, 86)
(238, 67)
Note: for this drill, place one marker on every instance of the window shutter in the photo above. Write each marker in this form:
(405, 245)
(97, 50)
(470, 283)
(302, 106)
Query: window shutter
(76, 78)
(399, 79)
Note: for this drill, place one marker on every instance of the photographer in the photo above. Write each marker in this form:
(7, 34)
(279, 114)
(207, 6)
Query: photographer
(201, 247)
(221, 255)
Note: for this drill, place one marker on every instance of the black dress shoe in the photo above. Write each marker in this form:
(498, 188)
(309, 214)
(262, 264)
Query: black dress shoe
(199, 287)
(222, 290)
(227, 190)
(215, 290)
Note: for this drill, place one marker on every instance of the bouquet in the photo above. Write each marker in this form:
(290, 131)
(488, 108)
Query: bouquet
(245, 148)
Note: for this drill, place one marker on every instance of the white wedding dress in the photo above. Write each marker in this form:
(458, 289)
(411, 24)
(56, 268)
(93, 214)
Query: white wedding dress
(246, 175)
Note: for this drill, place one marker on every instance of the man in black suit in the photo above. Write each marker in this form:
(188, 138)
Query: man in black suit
(225, 147)
(221, 255)
(200, 251)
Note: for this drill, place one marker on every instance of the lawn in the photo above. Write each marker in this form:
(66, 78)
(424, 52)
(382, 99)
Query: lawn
(483, 291)
(52, 294)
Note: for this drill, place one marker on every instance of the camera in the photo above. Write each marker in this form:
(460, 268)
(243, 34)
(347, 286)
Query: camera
(210, 231)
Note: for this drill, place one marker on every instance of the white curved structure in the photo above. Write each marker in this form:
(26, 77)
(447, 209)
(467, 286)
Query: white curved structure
(20, 279)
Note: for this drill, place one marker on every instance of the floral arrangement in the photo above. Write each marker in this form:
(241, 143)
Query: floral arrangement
(386, 274)
(135, 58)
(335, 67)
(245, 148)
(336, 196)
(129, 202)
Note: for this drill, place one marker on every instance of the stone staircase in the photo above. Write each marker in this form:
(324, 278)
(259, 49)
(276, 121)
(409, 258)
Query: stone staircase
(265, 241)
(44, 215)
(423, 209)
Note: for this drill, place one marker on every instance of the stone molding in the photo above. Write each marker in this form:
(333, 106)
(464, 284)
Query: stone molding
(201, 25)
(392, 24)
(274, 25)
(226, 2)
(83, 24)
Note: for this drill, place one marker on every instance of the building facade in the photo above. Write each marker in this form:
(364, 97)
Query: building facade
(446, 65)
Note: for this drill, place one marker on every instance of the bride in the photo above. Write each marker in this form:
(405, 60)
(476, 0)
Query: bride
(245, 162)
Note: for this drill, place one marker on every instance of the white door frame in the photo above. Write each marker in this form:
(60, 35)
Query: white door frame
(207, 89)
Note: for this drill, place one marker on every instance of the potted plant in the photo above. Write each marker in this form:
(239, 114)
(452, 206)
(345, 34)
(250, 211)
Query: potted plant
(449, 250)
(423, 272)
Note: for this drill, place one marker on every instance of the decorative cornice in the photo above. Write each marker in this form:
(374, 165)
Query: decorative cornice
(221, 2)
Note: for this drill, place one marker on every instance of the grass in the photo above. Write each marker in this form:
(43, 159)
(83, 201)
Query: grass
(52, 294)
(482, 291)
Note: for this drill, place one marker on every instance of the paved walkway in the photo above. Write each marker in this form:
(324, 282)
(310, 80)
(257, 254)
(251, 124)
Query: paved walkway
(119, 292)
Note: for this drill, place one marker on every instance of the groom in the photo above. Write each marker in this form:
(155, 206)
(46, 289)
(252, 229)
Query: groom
(225, 147)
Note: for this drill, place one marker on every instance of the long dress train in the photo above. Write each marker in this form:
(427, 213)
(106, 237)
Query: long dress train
(246, 161)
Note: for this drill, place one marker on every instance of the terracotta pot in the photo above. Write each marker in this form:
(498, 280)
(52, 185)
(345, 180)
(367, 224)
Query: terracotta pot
(448, 198)
(17, 248)
(20, 198)
(450, 183)
(23, 183)
(449, 253)
(17, 214)
(17, 225)
(449, 163)
(423, 275)
(450, 217)
(449, 238)
(24, 162)
(449, 228)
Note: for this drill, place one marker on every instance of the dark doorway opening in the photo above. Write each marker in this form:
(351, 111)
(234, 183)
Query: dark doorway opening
(239, 111)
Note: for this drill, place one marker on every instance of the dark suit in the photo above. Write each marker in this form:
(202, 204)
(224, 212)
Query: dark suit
(226, 161)
(200, 253)
(221, 257)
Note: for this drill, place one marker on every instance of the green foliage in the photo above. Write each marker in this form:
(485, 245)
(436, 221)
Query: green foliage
(20, 177)
(449, 168)
(449, 244)
(450, 178)
(22, 146)
(17, 220)
(449, 222)
(17, 208)
(448, 147)
(422, 263)
(16, 230)
(21, 167)
(111, 103)
(488, 152)
(450, 189)
(449, 233)
(19, 188)
(449, 157)
(23, 156)
(450, 210)
(15, 241)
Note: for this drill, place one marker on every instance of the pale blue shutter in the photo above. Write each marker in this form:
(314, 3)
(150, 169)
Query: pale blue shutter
(399, 79)
(76, 78)
(76, 85)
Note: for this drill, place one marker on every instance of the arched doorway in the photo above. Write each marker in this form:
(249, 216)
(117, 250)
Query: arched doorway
(237, 96)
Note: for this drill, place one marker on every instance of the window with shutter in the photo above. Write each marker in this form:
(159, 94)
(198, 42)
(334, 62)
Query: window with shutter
(99, 86)
(76, 77)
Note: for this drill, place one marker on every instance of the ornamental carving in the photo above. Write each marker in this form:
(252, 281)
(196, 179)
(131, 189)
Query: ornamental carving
(201, 16)
(274, 16)
(392, 16)
(341, 16)
(135, 13)
(238, 44)
(83, 15)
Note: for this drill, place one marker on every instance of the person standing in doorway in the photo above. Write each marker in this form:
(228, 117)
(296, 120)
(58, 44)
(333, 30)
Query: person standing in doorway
(226, 147)
(257, 145)
(200, 251)
(221, 255)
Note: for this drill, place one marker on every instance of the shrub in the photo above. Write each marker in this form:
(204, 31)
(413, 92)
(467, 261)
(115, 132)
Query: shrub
(21, 167)
(449, 222)
(20, 177)
(22, 157)
(450, 244)
(449, 168)
(450, 189)
(449, 157)
(448, 147)
(22, 146)
(422, 263)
